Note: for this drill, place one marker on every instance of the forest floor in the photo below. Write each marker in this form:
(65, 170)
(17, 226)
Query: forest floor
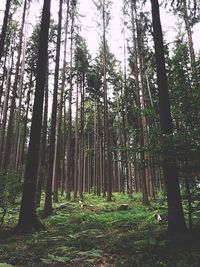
(98, 233)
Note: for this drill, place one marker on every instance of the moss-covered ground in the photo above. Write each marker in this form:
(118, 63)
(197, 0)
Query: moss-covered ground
(98, 233)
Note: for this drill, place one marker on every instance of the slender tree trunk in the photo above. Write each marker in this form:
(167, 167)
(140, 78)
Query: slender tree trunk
(107, 145)
(28, 219)
(188, 191)
(95, 145)
(48, 198)
(82, 140)
(8, 147)
(119, 143)
(140, 102)
(190, 45)
(126, 122)
(28, 99)
(176, 221)
(143, 118)
(5, 110)
(3, 79)
(4, 27)
(16, 160)
(43, 166)
(63, 181)
(69, 137)
(77, 162)
(58, 145)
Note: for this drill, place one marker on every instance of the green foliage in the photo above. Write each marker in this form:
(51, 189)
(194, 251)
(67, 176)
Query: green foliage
(95, 232)
(81, 55)
(5, 265)
(10, 189)
(84, 257)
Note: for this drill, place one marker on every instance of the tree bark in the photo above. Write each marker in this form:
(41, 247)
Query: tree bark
(5, 109)
(69, 137)
(4, 27)
(28, 219)
(9, 139)
(18, 130)
(176, 221)
(43, 165)
(107, 145)
(140, 102)
(48, 199)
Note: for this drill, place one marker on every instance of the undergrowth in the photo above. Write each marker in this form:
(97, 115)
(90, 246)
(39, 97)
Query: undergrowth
(98, 233)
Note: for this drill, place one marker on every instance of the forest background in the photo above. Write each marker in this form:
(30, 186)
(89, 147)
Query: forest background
(116, 112)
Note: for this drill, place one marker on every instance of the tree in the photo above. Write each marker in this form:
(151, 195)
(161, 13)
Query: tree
(28, 219)
(139, 84)
(60, 149)
(103, 7)
(4, 27)
(48, 199)
(185, 108)
(176, 221)
(81, 58)
(10, 130)
(187, 14)
(73, 6)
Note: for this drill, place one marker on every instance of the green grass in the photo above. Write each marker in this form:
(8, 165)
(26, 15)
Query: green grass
(97, 233)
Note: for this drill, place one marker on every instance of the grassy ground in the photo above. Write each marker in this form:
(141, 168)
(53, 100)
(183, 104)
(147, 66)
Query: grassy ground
(97, 233)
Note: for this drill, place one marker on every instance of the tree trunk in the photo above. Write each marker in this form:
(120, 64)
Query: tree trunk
(69, 137)
(140, 103)
(48, 199)
(107, 145)
(3, 78)
(4, 28)
(8, 147)
(18, 130)
(60, 150)
(28, 219)
(43, 166)
(28, 100)
(5, 110)
(82, 140)
(176, 221)
(77, 151)
(190, 45)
